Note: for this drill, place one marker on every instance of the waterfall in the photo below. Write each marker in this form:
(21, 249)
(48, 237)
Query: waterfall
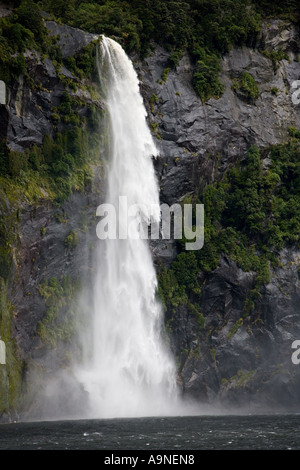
(131, 372)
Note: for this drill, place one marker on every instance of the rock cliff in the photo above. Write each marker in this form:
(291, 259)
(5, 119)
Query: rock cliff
(52, 241)
(229, 360)
(30, 103)
(236, 362)
(199, 140)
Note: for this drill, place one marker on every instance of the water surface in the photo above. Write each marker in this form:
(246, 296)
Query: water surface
(251, 432)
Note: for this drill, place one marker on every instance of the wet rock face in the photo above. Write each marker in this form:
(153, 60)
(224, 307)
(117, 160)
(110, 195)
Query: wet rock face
(199, 140)
(28, 114)
(244, 361)
(70, 40)
(41, 252)
(235, 360)
(44, 255)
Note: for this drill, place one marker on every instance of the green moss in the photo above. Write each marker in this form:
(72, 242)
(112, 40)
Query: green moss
(59, 322)
(154, 126)
(247, 86)
(206, 76)
(11, 372)
(279, 369)
(194, 309)
(235, 328)
(213, 353)
(293, 132)
(23, 29)
(58, 167)
(175, 57)
(242, 379)
(276, 56)
(169, 290)
(152, 101)
(83, 65)
(71, 240)
(250, 215)
(164, 76)
(15, 194)
(274, 90)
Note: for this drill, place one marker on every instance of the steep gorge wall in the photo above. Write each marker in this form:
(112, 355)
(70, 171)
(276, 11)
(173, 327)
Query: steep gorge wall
(242, 363)
(48, 244)
(227, 360)
(198, 141)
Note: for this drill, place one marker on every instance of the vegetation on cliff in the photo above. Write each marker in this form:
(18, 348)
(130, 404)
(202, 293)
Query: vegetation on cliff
(51, 171)
(22, 29)
(207, 29)
(250, 215)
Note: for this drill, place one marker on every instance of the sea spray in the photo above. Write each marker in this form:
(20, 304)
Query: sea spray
(130, 371)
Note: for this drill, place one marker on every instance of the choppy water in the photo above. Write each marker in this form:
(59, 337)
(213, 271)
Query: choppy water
(178, 434)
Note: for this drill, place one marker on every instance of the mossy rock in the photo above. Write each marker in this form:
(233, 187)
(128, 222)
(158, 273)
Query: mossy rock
(246, 88)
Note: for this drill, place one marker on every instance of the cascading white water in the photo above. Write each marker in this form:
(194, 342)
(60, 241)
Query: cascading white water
(131, 372)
